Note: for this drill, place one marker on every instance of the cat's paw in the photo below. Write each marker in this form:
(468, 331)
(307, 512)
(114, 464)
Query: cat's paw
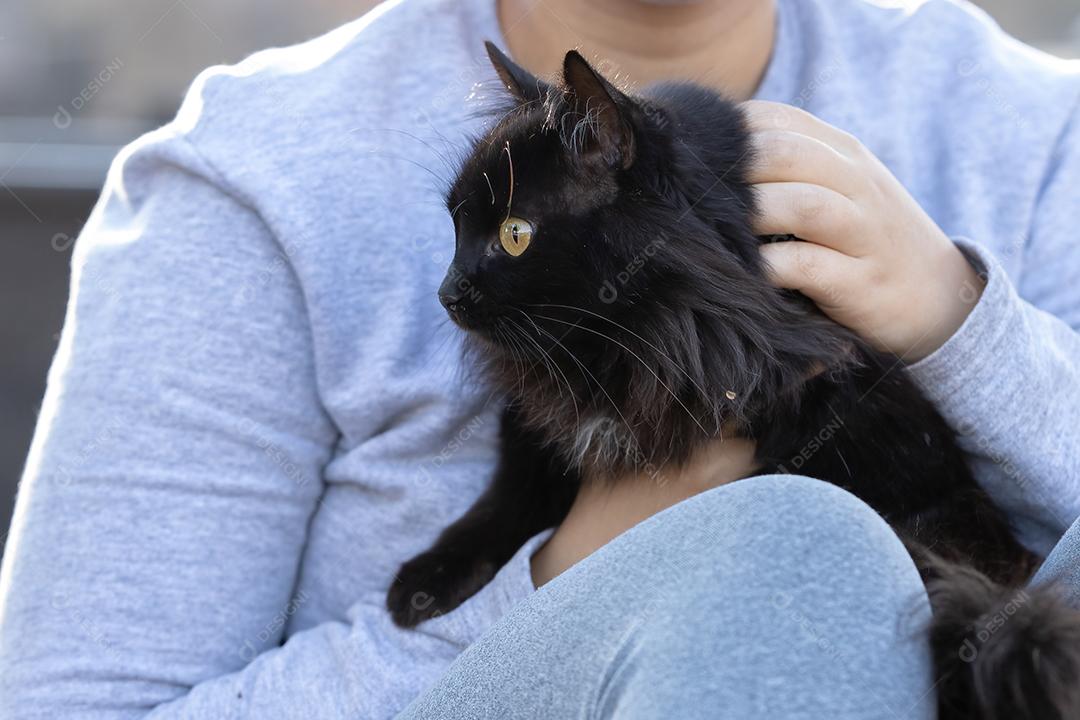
(433, 584)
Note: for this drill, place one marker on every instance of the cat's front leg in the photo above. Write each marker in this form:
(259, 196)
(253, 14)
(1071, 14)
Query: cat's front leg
(439, 580)
(532, 490)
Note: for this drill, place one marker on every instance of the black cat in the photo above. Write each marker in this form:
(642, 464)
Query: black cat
(613, 292)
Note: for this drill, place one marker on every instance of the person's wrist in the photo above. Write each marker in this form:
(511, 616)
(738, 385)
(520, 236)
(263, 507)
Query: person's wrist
(961, 287)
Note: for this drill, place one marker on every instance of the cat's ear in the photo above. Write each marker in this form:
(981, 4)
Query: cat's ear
(602, 106)
(522, 84)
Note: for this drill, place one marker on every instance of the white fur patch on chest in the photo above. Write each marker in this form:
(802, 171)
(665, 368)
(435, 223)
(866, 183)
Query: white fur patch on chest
(585, 437)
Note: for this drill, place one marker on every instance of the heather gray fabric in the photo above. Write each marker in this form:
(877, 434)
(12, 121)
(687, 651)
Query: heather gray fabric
(1062, 566)
(257, 410)
(696, 614)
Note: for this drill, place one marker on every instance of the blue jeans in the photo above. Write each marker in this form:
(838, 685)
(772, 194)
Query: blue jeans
(774, 597)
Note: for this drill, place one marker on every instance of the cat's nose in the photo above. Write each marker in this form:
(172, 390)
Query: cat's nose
(451, 299)
(452, 292)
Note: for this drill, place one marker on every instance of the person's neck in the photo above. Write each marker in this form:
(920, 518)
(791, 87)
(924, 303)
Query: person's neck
(722, 44)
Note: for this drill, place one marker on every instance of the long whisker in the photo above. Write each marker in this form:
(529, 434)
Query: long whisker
(446, 160)
(530, 358)
(511, 338)
(569, 387)
(639, 359)
(443, 181)
(586, 370)
(446, 141)
(502, 332)
(458, 206)
(542, 358)
(556, 341)
(628, 330)
(446, 337)
(527, 354)
(538, 360)
(540, 329)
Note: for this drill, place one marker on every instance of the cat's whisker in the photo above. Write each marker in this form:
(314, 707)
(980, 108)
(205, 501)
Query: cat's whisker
(432, 202)
(445, 159)
(512, 347)
(639, 359)
(542, 357)
(444, 182)
(631, 332)
(450, 147)
(458, 206)
(557, 342)
(511, 336)
(528, 362)
(544, 353)
(446, 337)
(586, 370)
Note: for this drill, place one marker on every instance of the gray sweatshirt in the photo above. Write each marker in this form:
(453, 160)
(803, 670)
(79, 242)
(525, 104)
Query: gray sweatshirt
(257, 409)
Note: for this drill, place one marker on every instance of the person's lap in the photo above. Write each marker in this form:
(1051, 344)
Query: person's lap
(777, 597)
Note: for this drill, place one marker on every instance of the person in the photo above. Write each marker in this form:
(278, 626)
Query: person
(257, 411)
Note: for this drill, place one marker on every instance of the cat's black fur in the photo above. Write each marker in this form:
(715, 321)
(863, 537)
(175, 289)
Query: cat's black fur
(639, 325)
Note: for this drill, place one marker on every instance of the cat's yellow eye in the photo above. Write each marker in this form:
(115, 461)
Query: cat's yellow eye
(515, 235)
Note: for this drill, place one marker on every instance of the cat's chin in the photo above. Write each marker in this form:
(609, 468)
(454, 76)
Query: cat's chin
(470, 323)
(473, 326)
(491, 346)
(483, 333)
(488, 340)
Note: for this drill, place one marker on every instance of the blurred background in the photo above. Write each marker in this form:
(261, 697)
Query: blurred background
(80, 79)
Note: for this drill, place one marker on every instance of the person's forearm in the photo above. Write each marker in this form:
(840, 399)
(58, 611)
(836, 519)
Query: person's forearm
(333, 671)
(1009, 382)
(338, 671)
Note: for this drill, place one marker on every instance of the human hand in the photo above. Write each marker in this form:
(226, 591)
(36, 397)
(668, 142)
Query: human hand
(869, 256)
(603, 511)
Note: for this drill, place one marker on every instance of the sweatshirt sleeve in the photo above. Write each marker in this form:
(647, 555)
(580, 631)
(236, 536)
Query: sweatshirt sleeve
(176, 464)
(1009, 379)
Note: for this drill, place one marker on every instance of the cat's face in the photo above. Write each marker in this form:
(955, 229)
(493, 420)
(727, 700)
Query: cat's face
(534, 207)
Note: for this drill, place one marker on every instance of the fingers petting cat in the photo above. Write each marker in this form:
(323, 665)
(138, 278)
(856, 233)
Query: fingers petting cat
(871, 259)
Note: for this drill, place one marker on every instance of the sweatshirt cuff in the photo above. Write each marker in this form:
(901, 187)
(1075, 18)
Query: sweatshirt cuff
(512, 584)
(963, 377)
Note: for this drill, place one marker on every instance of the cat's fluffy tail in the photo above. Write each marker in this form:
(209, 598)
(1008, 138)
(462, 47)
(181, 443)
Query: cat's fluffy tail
(1000, 653)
